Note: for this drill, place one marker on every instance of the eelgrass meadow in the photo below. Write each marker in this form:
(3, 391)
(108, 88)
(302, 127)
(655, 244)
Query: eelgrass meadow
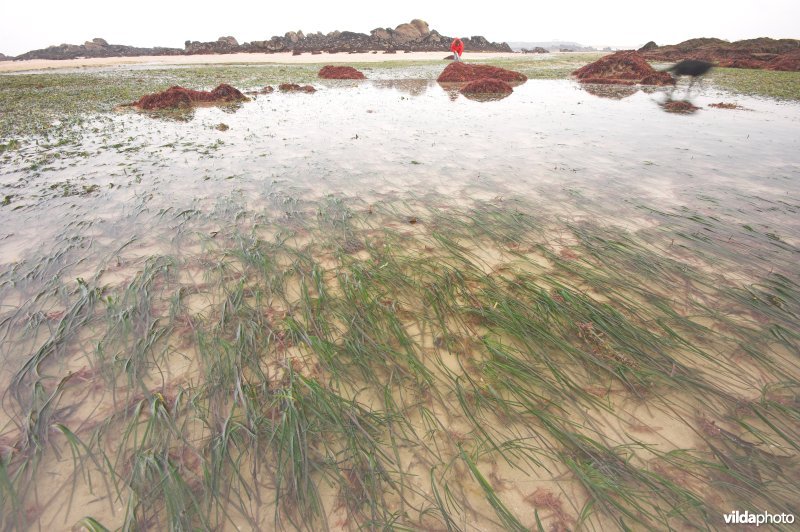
(259, 354)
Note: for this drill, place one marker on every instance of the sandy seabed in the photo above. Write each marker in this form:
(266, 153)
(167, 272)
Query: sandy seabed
(282, 58)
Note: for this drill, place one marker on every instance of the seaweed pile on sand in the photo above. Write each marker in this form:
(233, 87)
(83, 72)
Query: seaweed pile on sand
(762, 53)
(340, 72)
(788, 62)
(622, 68)
(681, 107)
(294, 87)
(179, 97)
(462, 72)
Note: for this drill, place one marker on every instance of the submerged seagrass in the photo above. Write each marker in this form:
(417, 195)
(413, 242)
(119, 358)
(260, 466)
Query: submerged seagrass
(227, 319)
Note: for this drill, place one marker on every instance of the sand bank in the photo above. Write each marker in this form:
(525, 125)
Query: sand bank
(283, 58)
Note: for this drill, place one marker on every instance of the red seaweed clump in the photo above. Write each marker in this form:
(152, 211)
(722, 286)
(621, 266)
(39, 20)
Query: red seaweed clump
(789, 62)
(724, 105)
(294, 87)
(179, 97)
(761, 53)
(340, 72)
(742, 63)
(681, 107)
(622, 68)
(487, 86)
(460, 72)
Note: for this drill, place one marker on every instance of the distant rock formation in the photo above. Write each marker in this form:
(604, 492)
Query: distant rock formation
(223, 45)
(413, 36)
(97, 47)
(551, 46)
(762, 53)
(536, 50)
(4, 57)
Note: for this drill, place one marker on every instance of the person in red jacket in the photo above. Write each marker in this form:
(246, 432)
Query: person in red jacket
(457, 48)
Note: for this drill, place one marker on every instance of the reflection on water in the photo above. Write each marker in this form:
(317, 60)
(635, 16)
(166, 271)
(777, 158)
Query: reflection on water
(413, 87)
(486, 97)
(360, 309)
(615, 92)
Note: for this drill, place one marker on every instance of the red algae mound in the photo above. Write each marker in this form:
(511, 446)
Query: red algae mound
(742, 63)
(622, 68)
(461, 72)
(724, 105)
(294, 87)
(487, 86)
(179, 97)
(679, 107)
(761, 53)
(789, 62)
(340, 72)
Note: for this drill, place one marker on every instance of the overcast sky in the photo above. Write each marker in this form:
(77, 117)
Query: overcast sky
(27, 25)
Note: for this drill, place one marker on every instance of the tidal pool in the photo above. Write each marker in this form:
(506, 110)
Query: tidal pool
(386, 305)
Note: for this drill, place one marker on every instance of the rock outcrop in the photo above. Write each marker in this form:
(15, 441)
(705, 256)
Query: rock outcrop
(626, 67)
(223, 45)
(535, 50)
(763, 53)
(414, 36)
(95, 48)
(4, 57)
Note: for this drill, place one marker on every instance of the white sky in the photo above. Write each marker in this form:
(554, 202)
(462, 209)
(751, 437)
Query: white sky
(27, 25)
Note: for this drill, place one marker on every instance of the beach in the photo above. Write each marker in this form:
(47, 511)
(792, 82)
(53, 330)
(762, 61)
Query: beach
(239, 58)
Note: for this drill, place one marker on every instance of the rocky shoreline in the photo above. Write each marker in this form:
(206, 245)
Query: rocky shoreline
(415, 36)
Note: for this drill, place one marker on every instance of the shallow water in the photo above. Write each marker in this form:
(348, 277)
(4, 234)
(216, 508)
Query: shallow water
(612, 206)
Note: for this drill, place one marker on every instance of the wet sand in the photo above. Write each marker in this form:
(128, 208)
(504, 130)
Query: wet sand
(222, 59)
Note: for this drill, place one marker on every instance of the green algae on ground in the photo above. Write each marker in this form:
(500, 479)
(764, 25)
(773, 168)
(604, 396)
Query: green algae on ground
(488, 364)
(32, 103)
(768, 83)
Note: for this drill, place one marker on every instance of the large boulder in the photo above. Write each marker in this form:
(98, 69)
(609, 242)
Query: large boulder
(383, 34)
(228, 41)
(96, 44)
(421, 26)
(405, 33)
